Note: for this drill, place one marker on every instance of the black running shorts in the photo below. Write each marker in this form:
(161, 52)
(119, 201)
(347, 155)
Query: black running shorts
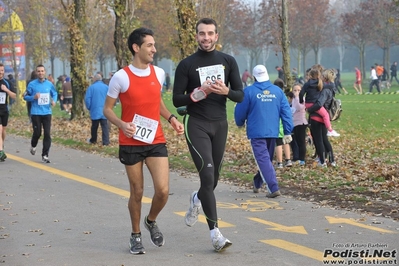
(130, 155)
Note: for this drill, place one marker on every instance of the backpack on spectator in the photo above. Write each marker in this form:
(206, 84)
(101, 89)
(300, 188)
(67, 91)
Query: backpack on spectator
(335, 109)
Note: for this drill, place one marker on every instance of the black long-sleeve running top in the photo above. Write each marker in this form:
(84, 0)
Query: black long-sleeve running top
(194, 70)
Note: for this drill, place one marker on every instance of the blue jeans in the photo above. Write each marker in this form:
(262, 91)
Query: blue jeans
(104, 129)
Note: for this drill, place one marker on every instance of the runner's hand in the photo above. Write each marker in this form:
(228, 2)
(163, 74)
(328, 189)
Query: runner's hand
(128, 129)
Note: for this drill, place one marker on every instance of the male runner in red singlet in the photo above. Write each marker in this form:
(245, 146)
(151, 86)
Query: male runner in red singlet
(141, 139)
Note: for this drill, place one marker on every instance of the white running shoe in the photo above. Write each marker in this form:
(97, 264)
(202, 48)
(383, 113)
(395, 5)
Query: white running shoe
(33, 150)
(192, 214)
(333, 133)
(219, 242)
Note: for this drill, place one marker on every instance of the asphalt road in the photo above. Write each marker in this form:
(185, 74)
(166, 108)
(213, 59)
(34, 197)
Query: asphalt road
(73, 211)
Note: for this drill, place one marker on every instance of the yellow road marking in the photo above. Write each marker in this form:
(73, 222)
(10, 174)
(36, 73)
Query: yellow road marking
(280, 227)
(77, 178)
(298, 249)
(202, 219)
(333, 220)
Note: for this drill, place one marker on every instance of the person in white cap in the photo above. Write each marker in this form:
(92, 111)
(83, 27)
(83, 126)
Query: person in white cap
(263, 106)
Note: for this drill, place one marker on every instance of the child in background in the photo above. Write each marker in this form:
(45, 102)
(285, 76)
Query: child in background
(280, 147)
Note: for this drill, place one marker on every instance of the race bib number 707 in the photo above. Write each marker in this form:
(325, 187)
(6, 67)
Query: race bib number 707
(146, 128)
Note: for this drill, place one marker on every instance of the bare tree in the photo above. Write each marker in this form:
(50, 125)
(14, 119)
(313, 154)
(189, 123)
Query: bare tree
(286, 43)
(385, 12)
(162, 24)
(355, 25)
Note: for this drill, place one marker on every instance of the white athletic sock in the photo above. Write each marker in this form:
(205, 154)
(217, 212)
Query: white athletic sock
(213, 232)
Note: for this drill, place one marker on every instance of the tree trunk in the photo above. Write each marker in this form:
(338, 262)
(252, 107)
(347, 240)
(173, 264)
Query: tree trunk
(77, 20)
(124, 23)
(362, 54)
(286, 44)
(303, 52)
(186, 21)
(341, 52)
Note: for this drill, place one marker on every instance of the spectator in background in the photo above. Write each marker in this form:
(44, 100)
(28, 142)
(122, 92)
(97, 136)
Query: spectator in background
(166, 84)
(294, 74)
(280, 72)
(385, 78)
(374, 80)
(58, 87)
(67, 95)
(300, 123)
(94, 100)
(337, 81)
(280, 146)
(379, 71)
(33, 76)
(50, 78)
(245, 76)
(394, 70)
(293, 144)
(262, 109)
(312, 89)
(317, 124)
(358, 82)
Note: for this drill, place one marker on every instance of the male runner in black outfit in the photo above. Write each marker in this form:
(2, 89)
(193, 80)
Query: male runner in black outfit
(201, 83)
(7, 91)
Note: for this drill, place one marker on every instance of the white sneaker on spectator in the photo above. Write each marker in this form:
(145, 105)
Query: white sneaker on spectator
(333, 133)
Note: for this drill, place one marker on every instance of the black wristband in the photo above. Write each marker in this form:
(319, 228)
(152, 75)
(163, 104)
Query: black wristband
(170, 117)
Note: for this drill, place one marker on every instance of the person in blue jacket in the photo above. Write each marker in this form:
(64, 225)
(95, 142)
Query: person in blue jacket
(42, 95)
(263, 106)
(94, 100)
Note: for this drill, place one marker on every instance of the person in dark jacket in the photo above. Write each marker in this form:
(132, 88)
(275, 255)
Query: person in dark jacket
(7, 91)
(280, 72)
(338, 83)
(312, 89)
(317, 126)
(394, 69)
(13, 82)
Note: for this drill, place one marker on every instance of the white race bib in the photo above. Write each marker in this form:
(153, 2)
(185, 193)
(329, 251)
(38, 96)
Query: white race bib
(211, 73)
(146, 128)
(3, 96)
(44, 99)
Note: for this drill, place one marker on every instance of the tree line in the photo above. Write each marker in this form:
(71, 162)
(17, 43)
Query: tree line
(87, 32)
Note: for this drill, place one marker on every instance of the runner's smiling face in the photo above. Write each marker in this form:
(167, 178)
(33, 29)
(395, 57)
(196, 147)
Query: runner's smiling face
(41, 73)
(146, 51)
(206, 37)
